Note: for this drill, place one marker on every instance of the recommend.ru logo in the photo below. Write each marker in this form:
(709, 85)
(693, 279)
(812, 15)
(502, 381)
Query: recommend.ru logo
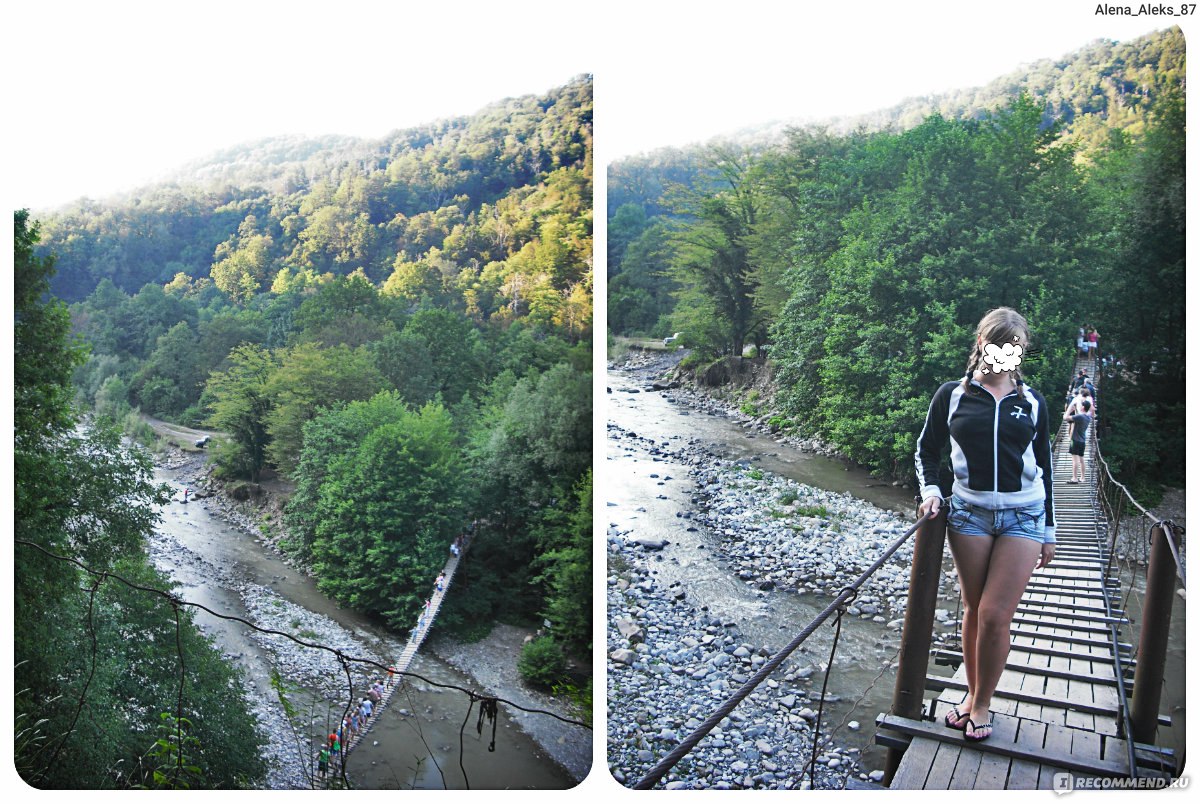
(1068, 782)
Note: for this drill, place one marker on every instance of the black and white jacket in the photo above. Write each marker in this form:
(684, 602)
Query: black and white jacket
(999, 451)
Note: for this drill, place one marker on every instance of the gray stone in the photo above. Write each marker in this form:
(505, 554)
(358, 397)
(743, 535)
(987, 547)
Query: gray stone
(623, 655)
(651, 544)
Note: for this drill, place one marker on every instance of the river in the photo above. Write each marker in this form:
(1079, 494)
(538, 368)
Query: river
(414, 743)
(648, 494)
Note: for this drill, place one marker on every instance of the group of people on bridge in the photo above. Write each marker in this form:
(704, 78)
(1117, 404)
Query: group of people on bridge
(1080, 412)
(354, 723)
(1087, 342)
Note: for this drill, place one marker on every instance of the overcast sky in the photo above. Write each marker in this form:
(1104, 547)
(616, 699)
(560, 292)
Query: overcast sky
(106, 96)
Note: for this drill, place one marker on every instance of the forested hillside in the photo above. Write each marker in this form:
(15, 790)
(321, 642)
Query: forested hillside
(859, 262)
(400, 330)
(1103, 86)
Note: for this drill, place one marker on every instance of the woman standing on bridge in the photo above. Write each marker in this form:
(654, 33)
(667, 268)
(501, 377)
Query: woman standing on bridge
(1001, 511)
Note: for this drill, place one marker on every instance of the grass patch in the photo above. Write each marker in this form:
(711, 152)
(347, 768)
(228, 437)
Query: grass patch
(819, 511)
(755, 474)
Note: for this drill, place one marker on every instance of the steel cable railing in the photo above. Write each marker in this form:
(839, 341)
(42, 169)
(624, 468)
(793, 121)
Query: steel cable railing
(1117, 506)
(655, 774)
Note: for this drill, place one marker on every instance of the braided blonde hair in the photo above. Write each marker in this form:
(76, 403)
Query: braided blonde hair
(1001, 325)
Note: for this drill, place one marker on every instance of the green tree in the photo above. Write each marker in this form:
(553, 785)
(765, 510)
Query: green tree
(386, 513)
(171, 378)
(565, 542)
(307, 379)
(87, 693)
(713, 248)
(978, 215)
(239, 399)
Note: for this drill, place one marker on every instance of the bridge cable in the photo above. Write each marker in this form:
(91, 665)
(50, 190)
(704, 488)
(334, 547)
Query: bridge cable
(837, 632)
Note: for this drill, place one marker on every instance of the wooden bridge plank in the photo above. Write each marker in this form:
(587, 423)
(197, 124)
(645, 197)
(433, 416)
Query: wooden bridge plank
(994, 768)
(1029, 745)
(966, 772)
(1086, 744)
(1007, 706)
(1079, 691)
(1022, 773)
(914, 767)
(1058, 741)
(1034, 686)
(941, 770)
(1003, 691)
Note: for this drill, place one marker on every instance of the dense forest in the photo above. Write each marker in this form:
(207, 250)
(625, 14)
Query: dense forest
(397, 329)
(858, 262)
(114, 687)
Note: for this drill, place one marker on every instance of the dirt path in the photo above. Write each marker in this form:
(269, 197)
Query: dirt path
(185, 437)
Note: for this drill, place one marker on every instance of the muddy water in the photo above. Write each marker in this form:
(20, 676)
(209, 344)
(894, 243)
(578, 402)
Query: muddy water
(419, 751)
(651, 505)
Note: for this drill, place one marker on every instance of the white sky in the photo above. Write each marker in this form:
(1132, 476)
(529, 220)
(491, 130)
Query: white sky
(107, 96)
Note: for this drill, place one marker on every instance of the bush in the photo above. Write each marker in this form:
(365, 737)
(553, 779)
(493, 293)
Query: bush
(542, 662)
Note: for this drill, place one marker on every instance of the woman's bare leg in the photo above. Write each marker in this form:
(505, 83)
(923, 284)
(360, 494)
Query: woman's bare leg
(1012, 561)
(972, 555)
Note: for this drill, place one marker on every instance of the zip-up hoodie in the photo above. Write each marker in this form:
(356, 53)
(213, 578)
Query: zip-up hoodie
(999, 451)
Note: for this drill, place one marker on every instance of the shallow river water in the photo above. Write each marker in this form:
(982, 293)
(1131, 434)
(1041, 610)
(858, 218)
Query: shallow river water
(401, 752)
(766, 618)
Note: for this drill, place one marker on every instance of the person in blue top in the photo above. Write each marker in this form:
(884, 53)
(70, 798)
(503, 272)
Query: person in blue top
(1000, 522)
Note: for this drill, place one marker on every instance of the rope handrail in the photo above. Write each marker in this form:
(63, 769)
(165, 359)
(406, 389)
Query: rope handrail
(655, 774)
(1170, 528)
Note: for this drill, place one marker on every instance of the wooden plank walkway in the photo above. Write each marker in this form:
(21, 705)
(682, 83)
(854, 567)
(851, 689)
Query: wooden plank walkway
(1056, 708)
(416, 637)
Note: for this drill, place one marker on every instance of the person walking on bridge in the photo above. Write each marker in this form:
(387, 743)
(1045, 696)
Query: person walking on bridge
(1080, 419)
(1000, 521)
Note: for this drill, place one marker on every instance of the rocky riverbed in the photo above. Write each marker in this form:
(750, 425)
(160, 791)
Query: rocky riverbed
(658, 373)
(672, 661)
(491, 663)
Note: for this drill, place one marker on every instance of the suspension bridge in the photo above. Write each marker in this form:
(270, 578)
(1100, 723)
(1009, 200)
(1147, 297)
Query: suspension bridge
(1075, 702)
(1062, 709)
(416, 636)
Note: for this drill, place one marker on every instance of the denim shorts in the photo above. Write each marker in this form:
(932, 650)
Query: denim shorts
(1028, 522)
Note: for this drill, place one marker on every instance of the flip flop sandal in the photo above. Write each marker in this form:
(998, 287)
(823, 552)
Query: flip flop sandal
(959, 718)
(972, 726)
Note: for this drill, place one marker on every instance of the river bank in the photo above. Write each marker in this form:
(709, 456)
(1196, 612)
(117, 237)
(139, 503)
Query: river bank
(672, 661)
(489, 666)
(714, 562)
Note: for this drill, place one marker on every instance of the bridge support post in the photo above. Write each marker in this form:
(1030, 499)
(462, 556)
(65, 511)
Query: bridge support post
(909, 693)
(1152, 646)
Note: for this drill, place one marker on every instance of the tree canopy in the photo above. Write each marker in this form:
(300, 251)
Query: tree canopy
(862, 259)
